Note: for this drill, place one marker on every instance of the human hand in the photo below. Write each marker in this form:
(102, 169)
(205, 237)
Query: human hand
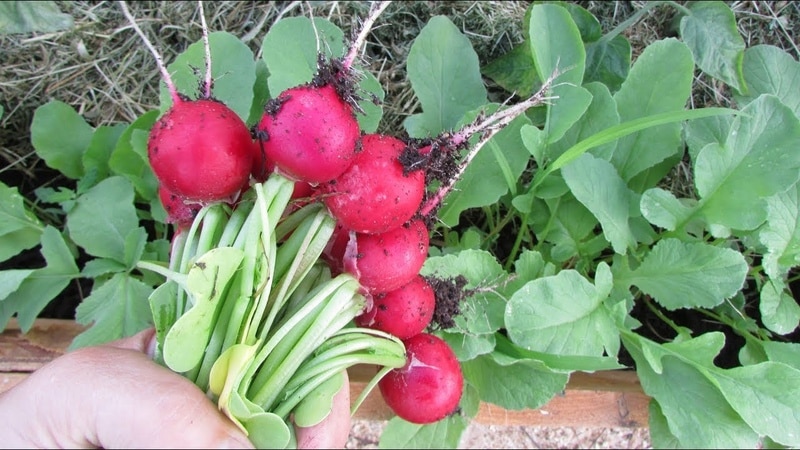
(115, 396)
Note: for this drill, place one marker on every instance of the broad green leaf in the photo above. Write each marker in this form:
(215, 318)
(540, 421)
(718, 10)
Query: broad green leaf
(608, 62)
(129, 157)
(10, 280)
(513, 383)
(560, 314)
(42, 285)
(20, 229)
(663, 209)
(206, 282)
(658, 427)
(783, 352)
(759, 159)
(771, 70)
(61, 136)
(445, 433)
(779, 310)
(704, 131)
(558, 363)
(260, 93)
(492, 173)
(373, 112)
(600, 115)
(710, 31)
(104, 140)
(566, 223)
(116, 308)
(27, 17)
(781, 234)
(467, 346)
(317, 404)
(529, 266)
(482, 312)
(164, 312)
(103, 218)
(659, 81)
(233, 71)
(767, 396)
(514, 71)
(588, 25)
(290, 50)
(689, 275)
(557, 48)
(445, 74)
(697, 414)
(596, 184)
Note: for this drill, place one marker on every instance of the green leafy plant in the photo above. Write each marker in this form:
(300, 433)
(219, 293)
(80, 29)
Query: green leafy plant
(570, 241)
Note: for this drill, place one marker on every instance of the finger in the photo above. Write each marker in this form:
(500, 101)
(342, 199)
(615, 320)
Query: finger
(143, 341)
(334, 430)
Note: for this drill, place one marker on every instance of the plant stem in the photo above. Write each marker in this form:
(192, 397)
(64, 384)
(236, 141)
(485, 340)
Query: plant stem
(374, 12)
(663, 317)
(208, 80)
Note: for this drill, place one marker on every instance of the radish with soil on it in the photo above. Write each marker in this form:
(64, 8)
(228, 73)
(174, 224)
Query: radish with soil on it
(200, 150)
(403, 312)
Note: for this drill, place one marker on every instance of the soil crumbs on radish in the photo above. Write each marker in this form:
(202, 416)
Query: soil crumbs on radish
(449, 293)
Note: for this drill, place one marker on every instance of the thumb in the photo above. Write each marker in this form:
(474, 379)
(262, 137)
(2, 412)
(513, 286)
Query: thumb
(114, 396)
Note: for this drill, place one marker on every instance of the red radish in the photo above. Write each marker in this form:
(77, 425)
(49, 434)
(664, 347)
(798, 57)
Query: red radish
(201, 150)
(262, 166)
(178, 210)
(375, 194)
(428, 388)
(381, 262)
(310, 133)
(403, 312)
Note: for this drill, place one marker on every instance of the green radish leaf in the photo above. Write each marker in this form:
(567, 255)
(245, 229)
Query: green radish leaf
(663, 209)
(660, 81)
(318, 403)
(759, 394)
(43, 285)
(689, 275)
(290, 50)
(492, 173)
(98, 267)
(779, 310)
(704, 131)
(781, 234)
(513, 383)
(116, 308)
(783, 352)
(757, 161)
(557, 47)
(445, 433)
(20, 229)
(600, 115)
(711, 33)
(260, 93)
(267, 430)
(608, 62)
(11, 280)
(588, 25)
(129, 158)
(558, 363)
(770, 70)
(61, 136)
(445, 74)
(482, 312)
(164, 312)
(538, 319)
(596, 184)
(104, 140)
(514, 71)
(226, 377)
(373, 112)
(206, 282)
(659, 428)
(681, 389)
(103, 218)
(233, 70)
(27, 17)
(467, 346)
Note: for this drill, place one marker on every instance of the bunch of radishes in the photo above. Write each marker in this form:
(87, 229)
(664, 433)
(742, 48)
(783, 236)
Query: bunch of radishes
(374, 186)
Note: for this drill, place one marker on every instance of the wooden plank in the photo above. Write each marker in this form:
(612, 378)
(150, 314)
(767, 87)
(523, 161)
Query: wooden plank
(600, 399)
